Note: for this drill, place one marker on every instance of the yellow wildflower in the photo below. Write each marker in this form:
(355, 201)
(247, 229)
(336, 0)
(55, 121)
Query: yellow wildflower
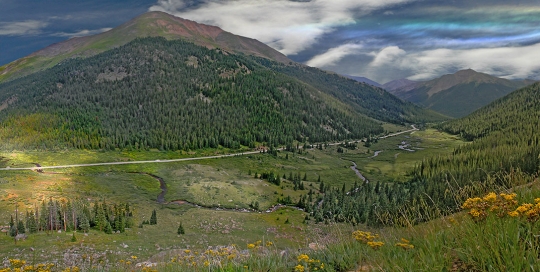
(250, 246)
(524, 207)
(299, 268)
(508, 197)
(513, 214)
(303, 257)
(375, 245)
(490, 197)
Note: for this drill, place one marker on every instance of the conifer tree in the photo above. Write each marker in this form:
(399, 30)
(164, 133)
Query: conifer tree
(84, 224)
(153, 218)
(108, 228)
(180, 229)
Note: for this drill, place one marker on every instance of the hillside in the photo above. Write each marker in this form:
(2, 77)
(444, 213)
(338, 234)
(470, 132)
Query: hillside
(154, 93)
(456, 94)
(362, 97)
(504, 153)
(182, 91)
(150, 24)
(364, 80)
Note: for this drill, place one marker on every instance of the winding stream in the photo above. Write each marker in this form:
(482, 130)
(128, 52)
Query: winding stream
(162, 186)
(353, 167)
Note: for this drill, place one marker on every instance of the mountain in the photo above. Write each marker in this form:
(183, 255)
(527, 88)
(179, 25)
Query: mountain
(364, 80)
(189, 86)
(399, 85)
(174, 94)
(456, 94)
(151, 24)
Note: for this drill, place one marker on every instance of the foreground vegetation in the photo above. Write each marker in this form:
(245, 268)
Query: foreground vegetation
(497, 234)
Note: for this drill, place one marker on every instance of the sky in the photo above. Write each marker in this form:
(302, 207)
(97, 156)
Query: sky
(379, 39)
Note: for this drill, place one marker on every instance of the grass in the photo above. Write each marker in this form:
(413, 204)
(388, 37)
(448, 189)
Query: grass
(393, 163)
(226, 183)
(453, 243)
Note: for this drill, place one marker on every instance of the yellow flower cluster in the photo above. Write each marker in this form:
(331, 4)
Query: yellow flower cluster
(364, 236)
(20, 265)
(500, 204)
(529, 211)
(375, 245)
(367, 238)
(256, 244)
(405, 244)
(306, 264)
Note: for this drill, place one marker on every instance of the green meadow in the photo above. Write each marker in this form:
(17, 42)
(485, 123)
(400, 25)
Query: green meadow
(211, 198)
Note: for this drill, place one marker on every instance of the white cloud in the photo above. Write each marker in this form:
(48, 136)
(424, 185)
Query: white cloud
(81, 33)
(390, 54)
(334, 55)
(288, 26)
(507, 62)
(29, 27)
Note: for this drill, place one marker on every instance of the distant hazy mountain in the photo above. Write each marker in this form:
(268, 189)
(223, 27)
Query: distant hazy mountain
(456, 94)
(364, 80)
(400, 85)
(151, 24)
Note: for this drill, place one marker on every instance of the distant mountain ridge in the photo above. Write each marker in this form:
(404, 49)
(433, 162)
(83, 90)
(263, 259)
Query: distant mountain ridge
(400, 85)
(364, 80)
(455, 94)
(148, 24)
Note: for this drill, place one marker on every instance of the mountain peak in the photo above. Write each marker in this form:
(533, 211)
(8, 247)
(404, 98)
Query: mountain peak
(150, 24)
(460, 77)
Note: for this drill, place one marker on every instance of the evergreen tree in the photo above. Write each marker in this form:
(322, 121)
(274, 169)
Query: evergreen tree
(84, 224)
(31, 223)
(180, 229)
(108, 228)
(20, 227)
(153, 218)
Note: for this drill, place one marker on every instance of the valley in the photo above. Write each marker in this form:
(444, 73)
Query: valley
(210, 195)
(168, 145)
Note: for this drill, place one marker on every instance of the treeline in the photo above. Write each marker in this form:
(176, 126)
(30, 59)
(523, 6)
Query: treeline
(174, 95)
(74, 215)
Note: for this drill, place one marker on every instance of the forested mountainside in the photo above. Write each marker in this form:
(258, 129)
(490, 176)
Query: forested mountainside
(505, 152)
(150, 24)
(154, 93)
(363, 98)
(458, 94)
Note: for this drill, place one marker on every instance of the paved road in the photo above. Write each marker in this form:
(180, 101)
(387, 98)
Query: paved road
(127, 162)
(395, 134)
(40, 168)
